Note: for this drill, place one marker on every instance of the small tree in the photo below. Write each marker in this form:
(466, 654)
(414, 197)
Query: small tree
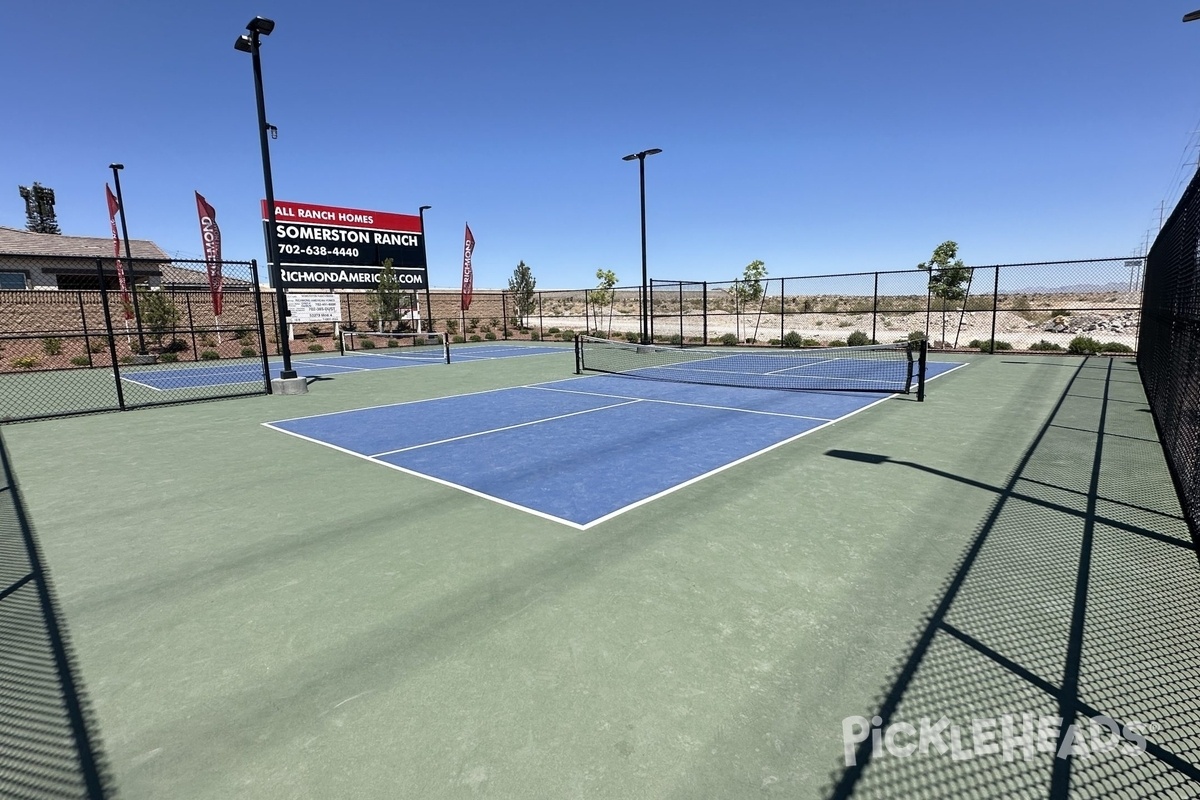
(947, 274)
(388, 298)
(522, 284)
(602, 295)
(39, 209)
(157, 313)
(749, 289)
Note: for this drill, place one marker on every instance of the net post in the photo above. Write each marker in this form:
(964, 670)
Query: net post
(704, 313)
(342, 342)
(995, 307)
(921, 360)
(578, 355)
(446, 348)
(782, 309)
(874, 307)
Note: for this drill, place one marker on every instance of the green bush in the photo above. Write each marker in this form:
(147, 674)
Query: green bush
(809, 343)
(858, 339)
(52, 345)
(793, 339)
(568, 336)
(553, 330)
(837, 343)
(1046, 346)
(393, 343)
(451, 326)
(916, 336)
(1116, 347)
(208, 341)
(97, 346)
(175, 346)
(241, 332)
(475, 337)
(986, 346)
(25, 362)
(460, 339)
(249, 352)
(774, 342)
(168, 358)
(315, 330)
(729, 339)
(632, 337)
(1083, 346)
(316, 347)
(533, 337)
(491, 337)
(676, 340)
(366, 344)
(80, 361)
(209, 355)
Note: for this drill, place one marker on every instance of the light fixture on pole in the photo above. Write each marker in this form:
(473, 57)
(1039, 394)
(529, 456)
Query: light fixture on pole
(645, 293)
(425, 257)
(249, 43)
(137, 312)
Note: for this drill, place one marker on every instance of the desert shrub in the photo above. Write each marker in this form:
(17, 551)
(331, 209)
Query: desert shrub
(209, 355)
(475, 322)
(168, 358)
(208, 341)
(126, 359)
(1046, 346)
(475, 337)
(837, 343)
(97, 346)
(460, 339)
(249, 352)
(774, 342)
(491, 337)
(1116, 347)
(729, 339)
(632, 337)
(349, 326)
(315, 330)
(241, 332)
(80, 361)
(988, 346)
(845, 323)
(393, 343)
(175, 346)
(52, 345)
(485, 328)
(316, 347)
(916, 336)
(858, 339)
(1083, 346)
(553, 330)
(366, 344)
(535, 337)
(451, 326)
(676, 339)
(25, 362)
(751, 340)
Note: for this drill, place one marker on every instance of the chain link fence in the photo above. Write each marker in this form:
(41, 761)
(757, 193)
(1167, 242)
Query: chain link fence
(78, 343)
(1169, 348)
(1085, 306)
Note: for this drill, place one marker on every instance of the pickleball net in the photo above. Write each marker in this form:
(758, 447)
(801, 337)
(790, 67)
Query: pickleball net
(408, 346)
(888, 368)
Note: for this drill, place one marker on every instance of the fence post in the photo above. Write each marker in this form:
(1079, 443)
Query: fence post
(541, 321)
(704, 311)
(782, 309)
(682, 338)
(995, 306)
(504, 313)
(112, 335)
(262, 332)
(650, 313)
(874, 307)
(87, 346)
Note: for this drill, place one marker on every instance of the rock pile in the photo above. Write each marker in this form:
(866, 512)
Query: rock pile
(1088, 323)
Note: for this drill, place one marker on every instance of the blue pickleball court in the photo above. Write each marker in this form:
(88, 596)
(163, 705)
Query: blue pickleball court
(582, 450)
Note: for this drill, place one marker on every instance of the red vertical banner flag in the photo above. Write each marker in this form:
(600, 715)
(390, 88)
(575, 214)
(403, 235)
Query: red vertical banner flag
(113, 208)
(210, 237)
(468, 279)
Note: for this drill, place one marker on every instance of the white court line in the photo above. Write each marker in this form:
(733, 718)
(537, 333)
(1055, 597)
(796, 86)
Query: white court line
(504, 428)
(146, 385)
(681, 403)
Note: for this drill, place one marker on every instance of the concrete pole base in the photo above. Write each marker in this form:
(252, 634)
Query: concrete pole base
(289, 386)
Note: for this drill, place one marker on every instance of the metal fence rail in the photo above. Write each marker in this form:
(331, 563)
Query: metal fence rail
(86, 349)
(1169, 347)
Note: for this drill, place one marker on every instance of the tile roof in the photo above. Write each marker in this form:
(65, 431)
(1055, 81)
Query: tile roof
(175, 275)
(16, 241)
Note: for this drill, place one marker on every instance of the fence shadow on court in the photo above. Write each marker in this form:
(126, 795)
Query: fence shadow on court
(48, 747)
(1077, 599)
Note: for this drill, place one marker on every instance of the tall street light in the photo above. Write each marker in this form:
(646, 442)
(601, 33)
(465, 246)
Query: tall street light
(425, 258)
(641, 159)
(137, 313)
(249, 43)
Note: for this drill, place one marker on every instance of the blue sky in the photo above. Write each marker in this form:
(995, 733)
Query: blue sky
(817, 137)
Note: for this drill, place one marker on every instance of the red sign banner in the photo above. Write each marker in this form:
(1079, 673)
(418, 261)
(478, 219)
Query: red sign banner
(113, 208)
(468, 277)
(210, 237)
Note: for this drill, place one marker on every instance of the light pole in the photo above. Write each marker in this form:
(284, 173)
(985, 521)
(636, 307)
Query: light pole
(425, 257)
(641, 159)
(249, 43)
(137, 313)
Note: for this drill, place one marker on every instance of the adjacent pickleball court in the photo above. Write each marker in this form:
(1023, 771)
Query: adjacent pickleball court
(629, 441)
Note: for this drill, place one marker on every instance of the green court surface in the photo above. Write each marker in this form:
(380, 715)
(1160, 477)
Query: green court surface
(255, 616)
